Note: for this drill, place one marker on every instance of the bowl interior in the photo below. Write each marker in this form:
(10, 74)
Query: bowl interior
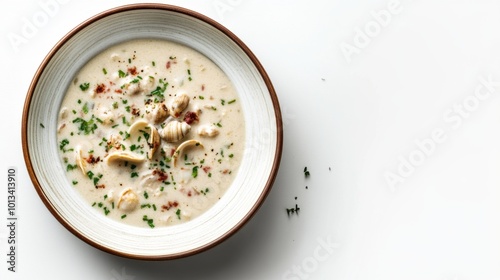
(261, 111)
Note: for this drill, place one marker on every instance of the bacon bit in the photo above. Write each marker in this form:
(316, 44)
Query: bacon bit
(190, 117)
(136, 112)
(168, 64)
(100, 88)
(172, 151)
(132, 71)
(203, 87)
(162, 176)
(92, 160)
(169, 205)
(225, 171)
(118, 91)
(206, 168)
(102, 186)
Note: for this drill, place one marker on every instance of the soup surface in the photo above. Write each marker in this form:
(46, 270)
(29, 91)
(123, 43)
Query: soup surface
(151, 133)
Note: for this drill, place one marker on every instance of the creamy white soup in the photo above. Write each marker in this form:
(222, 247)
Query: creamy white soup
(151, 133)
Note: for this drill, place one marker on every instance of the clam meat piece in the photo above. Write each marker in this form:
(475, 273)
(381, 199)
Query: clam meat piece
(80, 160)
(154, 140)
(105, 115)
(128, 200)
(184, 145)
(180, 102)
(208, 130)
(64, 113)
(124, 156)
(156, 112)
(148, 84)
(174, 131)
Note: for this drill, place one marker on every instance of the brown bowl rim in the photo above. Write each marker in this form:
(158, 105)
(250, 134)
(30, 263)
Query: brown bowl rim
(191, 13)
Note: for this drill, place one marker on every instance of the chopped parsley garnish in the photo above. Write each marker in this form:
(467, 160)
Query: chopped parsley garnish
(178, 213)
(194, 172)
(70, 167)
(149, 221)
(231, 101)
(85, 108)
(160, 89)
(134, 174)
(122, 74)
(293, 210)
(86, 127)
(63, 144)
(104, 71)
(306, 172)
(84, 86)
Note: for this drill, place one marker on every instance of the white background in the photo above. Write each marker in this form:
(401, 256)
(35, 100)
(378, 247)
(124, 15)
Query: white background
(363, 86)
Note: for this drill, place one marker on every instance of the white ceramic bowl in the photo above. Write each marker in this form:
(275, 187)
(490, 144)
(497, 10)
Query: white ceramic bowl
(261, 110)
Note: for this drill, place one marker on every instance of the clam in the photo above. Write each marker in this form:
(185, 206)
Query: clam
(80, 161)
(156, 113)
(154, 136)
(208, 130)
(128, 200)
(124, 156)
(184, 145)
(178, 105)
(175, 131)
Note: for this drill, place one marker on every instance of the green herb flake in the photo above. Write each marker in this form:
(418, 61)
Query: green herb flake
(63, 144)
(41, 125)
(146, 195)
(84, 86)
(85, 108)
(231, 101)
(178, 213)
(123, 216)
(135, 174)
(222, 102)
(104, 71)
(201, 97)
(70, 167)
(74, 182)
(194, 172)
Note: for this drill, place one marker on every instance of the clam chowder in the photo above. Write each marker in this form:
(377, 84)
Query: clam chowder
(151, 133)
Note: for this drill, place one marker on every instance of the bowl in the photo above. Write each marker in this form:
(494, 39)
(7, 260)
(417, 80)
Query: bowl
(263, 128)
